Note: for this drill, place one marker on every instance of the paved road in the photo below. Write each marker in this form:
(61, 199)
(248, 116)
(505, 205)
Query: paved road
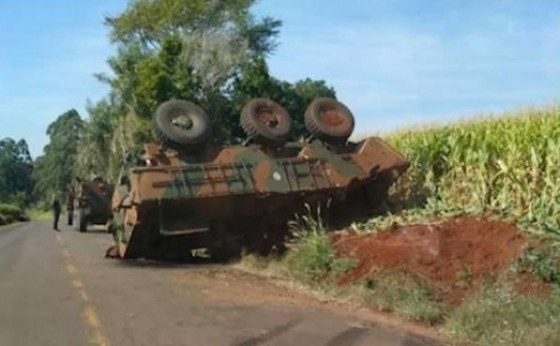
(57, 289)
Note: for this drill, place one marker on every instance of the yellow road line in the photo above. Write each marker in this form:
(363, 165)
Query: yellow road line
(89, 315)
(96, 337)
(83, 295)
(71, 269)
(77, 284)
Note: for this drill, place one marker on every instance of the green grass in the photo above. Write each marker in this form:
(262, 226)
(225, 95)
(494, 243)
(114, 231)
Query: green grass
(313, 258)
(543, 263)
(40, 215)
(401, 294)
(496, 316)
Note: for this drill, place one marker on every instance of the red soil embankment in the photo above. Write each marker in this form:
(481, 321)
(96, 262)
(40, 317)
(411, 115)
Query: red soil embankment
(454, 255)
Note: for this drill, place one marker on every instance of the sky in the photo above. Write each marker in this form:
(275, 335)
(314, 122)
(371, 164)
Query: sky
(396, 64)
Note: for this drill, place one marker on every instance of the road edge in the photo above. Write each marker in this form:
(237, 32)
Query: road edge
(387, 320)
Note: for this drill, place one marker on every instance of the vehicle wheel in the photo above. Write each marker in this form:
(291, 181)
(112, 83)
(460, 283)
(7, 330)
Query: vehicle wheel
(82, 221)
(224, 254)
(266, 122)
(329, 120)
(168, 250)
(70, 216)
(377, 193)
(181, 125)
(223, 246)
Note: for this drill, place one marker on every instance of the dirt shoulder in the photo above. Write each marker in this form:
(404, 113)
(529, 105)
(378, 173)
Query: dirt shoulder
(245, 285)
(458, 278)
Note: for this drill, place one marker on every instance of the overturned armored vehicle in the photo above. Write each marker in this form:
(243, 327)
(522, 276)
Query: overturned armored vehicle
(185, 194)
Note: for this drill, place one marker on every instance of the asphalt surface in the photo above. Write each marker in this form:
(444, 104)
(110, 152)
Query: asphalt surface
(57, 289)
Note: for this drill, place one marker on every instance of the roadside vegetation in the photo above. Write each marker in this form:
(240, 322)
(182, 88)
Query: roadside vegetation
(495, 314)
(498, 316)
(16, 186)
(507, 166)
(40, 213)
(10, 213)
(503, 168)
(312, 257)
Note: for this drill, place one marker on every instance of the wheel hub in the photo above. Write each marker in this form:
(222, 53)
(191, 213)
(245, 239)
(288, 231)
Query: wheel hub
(332, 117)
(266, 116)
(182, 121)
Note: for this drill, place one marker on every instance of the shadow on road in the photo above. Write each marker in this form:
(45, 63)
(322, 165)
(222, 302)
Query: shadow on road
(193, 263)
(95, 232)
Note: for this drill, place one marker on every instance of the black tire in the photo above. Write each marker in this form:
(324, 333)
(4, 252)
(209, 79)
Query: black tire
(266, 122)
(188, 136)
(223, 245)
(70, 217)
(329, 120)
(168, 250)
(82, 221)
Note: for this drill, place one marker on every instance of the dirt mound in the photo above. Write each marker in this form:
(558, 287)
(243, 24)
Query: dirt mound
(455, 255)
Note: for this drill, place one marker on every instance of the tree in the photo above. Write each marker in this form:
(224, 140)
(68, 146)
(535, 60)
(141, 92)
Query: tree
(211, 52)
(55, 170)
(152, 22)
(96, 140)
(255, 81)
(187, 49)
(15, 172)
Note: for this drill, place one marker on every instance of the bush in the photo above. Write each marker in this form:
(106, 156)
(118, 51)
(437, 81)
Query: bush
(10, 213)
(543, 263)
(313, 258)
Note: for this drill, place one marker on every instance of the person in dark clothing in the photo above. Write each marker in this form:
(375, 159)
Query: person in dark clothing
(56, 211)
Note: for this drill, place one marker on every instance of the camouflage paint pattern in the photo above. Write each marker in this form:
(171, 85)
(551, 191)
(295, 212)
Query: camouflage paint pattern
(95, 198)
(168, 197)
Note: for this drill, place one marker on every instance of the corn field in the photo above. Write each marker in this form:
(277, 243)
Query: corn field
(507, 165)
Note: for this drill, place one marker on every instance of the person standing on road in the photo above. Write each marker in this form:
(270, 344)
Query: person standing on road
(56, 211)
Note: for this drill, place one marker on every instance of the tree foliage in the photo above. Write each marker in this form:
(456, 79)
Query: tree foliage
(95, 146)
(55, 169)
(211, 52)
(254, 80)
(152, 22)
(15, 172)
